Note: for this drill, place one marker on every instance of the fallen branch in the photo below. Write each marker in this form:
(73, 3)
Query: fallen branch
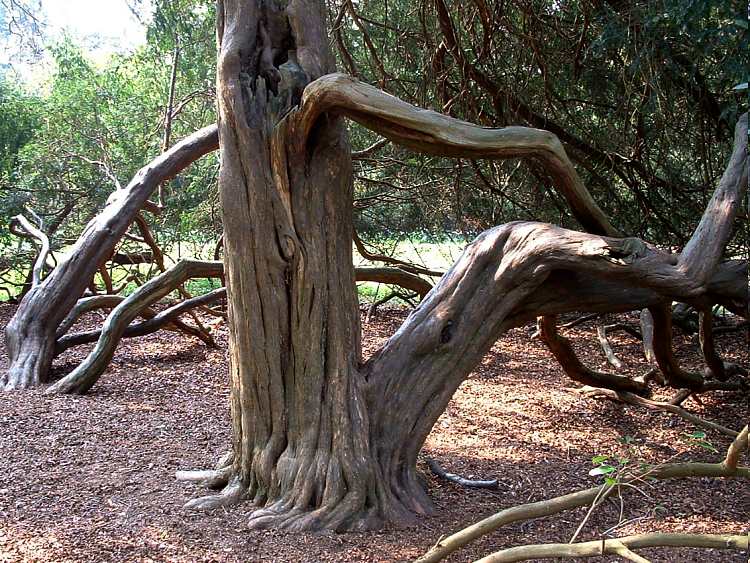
(616, 546)
(555, 505)
(633, 399)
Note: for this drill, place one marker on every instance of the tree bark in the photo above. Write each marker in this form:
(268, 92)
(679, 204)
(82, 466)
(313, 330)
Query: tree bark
(300, 424)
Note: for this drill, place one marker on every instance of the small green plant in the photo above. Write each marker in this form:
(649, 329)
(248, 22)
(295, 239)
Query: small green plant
(698, 438)
(610, 467)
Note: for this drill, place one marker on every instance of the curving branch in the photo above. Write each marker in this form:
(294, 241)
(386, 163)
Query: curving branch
(154, 321)
(575, 369)
(28, 230)
(716, 367)
(550, 507)
(394, 276)
(401, 264)
(87, 372)
(434, 133)
(30, 333)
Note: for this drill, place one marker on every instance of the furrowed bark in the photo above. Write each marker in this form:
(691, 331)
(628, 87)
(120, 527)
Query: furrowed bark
(301, 446)
(87, 372)
(30, 334)
(384, 410)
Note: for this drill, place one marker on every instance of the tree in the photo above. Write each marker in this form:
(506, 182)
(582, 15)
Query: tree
(320, 439)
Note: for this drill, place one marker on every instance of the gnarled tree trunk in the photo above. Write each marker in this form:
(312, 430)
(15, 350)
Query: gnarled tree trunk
(301, 427)
(320, 441)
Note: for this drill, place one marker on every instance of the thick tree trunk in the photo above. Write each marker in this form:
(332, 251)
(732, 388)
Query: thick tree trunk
(301, 428)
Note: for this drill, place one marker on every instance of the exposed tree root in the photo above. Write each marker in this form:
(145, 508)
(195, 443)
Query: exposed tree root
(574, 368)
(232, 493)
(616, 546)
(633, 399)
(438, 470)
(727, 468)
(216, 478)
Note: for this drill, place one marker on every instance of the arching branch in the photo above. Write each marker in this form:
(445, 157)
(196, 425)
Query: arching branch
(28, 230)
(576, 370)
(86, 374)
(30, 333)
(434, 133)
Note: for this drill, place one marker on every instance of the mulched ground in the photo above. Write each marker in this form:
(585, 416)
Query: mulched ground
(92, 478)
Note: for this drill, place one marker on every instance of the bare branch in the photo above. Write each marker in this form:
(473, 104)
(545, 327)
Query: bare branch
(29, 230)
(430, 132)
(616, 546)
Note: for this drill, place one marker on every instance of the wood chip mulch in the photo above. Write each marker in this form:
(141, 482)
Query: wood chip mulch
(92, 478)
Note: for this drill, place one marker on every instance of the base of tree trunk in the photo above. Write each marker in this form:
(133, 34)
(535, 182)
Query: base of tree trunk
(354, 508)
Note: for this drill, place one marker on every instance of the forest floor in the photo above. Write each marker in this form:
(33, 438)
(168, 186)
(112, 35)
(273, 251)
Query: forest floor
(92, 478)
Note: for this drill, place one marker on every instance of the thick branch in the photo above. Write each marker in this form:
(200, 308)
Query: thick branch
(705, 248)
(30, 333)
(394, 276)
(86, 374)
(430, 132)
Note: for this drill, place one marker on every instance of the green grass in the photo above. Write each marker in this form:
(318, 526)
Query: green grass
(437, 256)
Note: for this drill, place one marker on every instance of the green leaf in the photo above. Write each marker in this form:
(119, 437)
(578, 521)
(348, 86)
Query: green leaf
(602, 470)
(599, 459)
